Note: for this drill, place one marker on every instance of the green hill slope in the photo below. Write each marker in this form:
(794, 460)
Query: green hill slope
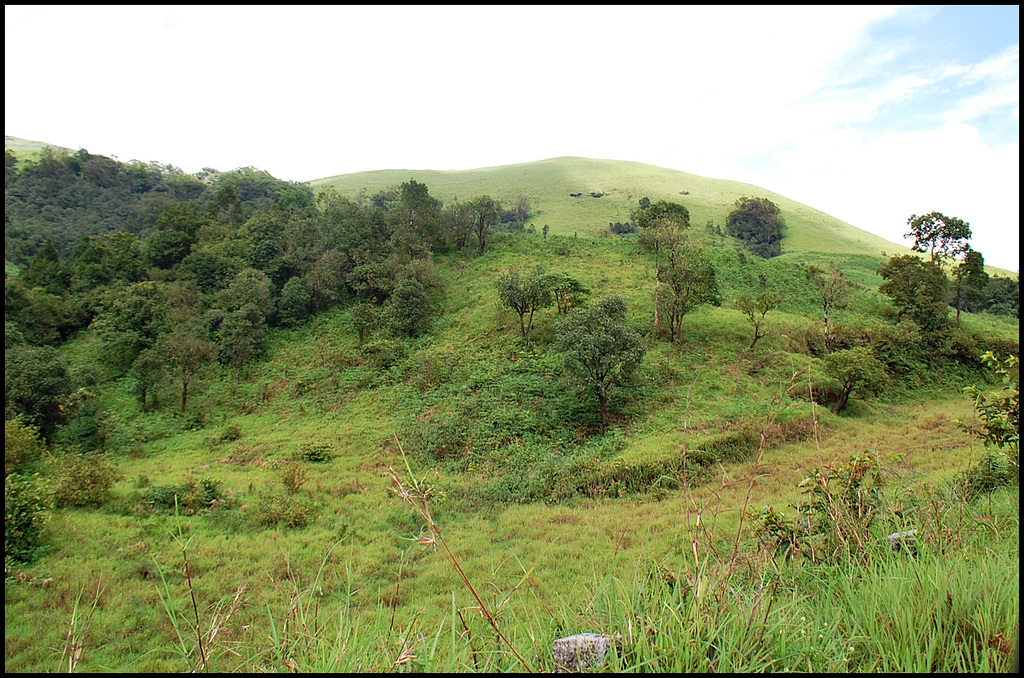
(549, 183)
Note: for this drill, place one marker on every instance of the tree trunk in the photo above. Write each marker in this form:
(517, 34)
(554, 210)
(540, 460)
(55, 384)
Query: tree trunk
(602, 400)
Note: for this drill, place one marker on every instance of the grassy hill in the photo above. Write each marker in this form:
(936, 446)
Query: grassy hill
(549, 183)
(311, 559)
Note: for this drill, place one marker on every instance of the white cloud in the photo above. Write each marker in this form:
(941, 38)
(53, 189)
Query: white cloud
(790, 98)
(877, 184)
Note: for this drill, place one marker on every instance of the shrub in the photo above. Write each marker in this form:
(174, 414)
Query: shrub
(26, 502)
(990, 473)
(316, 452)
(385, 353)
(192, 496)
(231, 434)
(293, 476)
(82, 479)
(272, 509)
(22, 445)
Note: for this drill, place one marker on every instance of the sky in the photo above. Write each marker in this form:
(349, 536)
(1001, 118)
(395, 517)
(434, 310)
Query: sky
(868, 113)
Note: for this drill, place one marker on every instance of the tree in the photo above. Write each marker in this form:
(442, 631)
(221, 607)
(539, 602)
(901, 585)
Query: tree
(408, 307)
(149, 370)
(969, 281)
(36, 387)
(758, 223)
(130, 320)
(601, 352)
(856, 370)
(757, 307)
(486, 212)
(419, 216)
(689, 281)
(918, 290)
(567, 291)
(293, 304)
(662, 226)
(938, 234)
(525, 294)
(1002, 297)
(363, 320)
(46, 271)
(188, 354)
(458, 222)
(834, 291)
(22, 445)
(243, 337)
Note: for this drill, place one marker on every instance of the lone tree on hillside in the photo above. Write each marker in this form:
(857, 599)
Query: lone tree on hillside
(567, 291)
(689, 281)
(939, 235)
(757, 307)
(834, 290)
(662, 226)
(601, 352)
(856, 370)
(525, 294)
(758, 223)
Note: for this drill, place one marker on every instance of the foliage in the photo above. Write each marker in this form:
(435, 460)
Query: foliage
(290, 511)
(27, 500)
(758, 223)
(969, 282)
(293, 476)
(999, 410)
(833, 522)
(757, 307)
(188, 355)
(567, 291)
(525, 294)
(856, 370)
(485, 213)
(938, 234)
(834, 290)
(409, 308)
(318, 453)
(22, 446)
(36, 387)
(81, 479)
(191, 497)
(1002, 297)
(917, 289)
(689, 282)
(601, 352)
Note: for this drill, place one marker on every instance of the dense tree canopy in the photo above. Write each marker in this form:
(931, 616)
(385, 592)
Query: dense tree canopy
(759, 224)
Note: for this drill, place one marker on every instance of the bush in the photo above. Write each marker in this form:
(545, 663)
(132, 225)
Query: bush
(272, 509)
(385, 353)
(231, 434)
(26, 502)
(316, 452)
(22, 445)
(990, 473)
(293, 477)
(192, 496)
(82, 479)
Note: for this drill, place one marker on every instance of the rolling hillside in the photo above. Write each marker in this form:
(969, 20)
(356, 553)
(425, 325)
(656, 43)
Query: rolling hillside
(283, 485)
(549, 183)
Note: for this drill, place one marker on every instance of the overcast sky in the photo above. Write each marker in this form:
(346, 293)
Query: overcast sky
(870, 114)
